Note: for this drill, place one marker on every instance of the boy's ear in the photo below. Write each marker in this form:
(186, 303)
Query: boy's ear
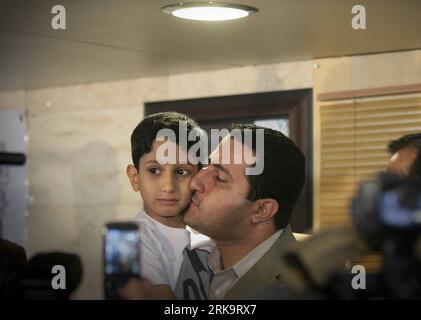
(264, 210)
(133, 177)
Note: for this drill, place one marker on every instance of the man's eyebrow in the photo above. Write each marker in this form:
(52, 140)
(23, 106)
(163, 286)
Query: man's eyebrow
(222, 168)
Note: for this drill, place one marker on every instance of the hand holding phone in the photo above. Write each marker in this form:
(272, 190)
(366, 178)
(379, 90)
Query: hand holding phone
(121, 256)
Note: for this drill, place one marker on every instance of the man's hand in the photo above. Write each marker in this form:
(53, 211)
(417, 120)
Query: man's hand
(143, 289)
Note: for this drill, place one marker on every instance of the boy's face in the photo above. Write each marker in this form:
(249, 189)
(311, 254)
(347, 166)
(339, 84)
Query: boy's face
(164, 188)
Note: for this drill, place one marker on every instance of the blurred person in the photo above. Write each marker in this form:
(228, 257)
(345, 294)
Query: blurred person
(406, 156)
(12, 264)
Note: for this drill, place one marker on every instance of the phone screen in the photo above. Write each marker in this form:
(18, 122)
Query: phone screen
(122, 252)
(121, 255)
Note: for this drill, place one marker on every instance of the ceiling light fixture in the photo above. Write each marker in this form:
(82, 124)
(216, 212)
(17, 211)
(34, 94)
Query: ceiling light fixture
(208, 10)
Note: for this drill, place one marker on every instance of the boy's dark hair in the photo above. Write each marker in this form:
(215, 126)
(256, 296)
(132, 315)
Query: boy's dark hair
(283, 175)
(409, 141)
(145, 133)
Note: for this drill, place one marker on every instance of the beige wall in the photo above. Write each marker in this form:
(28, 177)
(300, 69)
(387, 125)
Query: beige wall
(353, 73)
(79, 148)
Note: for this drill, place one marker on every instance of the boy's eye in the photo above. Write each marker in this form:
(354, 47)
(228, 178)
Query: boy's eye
(219, 178)
(154, 170)
(182, 172)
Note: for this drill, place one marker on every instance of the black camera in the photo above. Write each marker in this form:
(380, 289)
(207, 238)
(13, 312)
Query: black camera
(387, 214)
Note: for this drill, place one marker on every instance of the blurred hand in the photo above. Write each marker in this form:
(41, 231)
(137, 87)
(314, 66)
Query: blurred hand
(143, 289)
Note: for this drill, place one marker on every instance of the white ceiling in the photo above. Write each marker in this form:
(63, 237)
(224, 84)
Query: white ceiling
(119, 39)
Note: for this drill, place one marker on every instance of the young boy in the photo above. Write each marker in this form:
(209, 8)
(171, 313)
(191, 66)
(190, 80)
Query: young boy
(166, 244)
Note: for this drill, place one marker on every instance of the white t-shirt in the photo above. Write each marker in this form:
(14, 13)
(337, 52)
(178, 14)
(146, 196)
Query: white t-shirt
(161, 249)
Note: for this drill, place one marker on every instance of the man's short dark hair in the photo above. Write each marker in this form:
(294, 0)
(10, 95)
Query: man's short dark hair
(283, 175)
(409, 141)
(145, 133)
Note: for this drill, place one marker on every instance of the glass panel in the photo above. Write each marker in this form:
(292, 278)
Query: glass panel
(280, 124)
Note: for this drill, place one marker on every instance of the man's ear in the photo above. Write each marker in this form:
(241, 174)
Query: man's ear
(133, 177)
(264, 210)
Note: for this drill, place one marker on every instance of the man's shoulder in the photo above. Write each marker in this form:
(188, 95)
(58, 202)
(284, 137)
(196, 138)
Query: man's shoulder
(268, 266)
(265, 274)
(285, 239)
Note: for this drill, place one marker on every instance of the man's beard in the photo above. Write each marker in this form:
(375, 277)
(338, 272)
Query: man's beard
(228, 229)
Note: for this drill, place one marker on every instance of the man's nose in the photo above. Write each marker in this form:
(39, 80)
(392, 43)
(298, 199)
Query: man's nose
(201, 181)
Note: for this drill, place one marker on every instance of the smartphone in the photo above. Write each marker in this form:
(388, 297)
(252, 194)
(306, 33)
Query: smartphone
(121, 256)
